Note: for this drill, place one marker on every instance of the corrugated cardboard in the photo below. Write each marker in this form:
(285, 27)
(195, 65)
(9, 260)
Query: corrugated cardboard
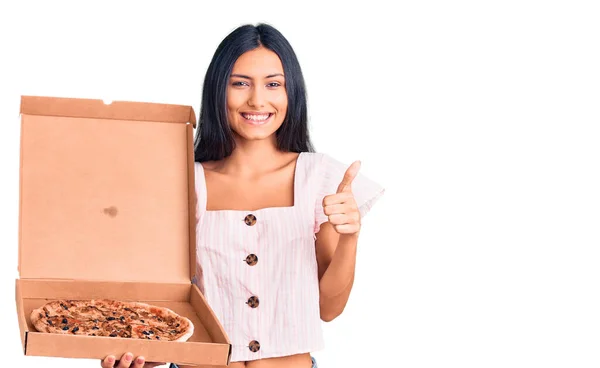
(107, 211)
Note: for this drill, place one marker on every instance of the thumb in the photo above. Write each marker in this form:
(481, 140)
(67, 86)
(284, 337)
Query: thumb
(349, 176)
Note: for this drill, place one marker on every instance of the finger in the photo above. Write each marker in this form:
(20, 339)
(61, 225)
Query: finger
(337, 198)
(336, 208)
(125, 361)
(350, 174)
(347, 228)
(342, 219)
(138, 362)
(108, 362)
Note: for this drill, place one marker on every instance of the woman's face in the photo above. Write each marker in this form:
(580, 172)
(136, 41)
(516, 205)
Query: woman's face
(256, 96)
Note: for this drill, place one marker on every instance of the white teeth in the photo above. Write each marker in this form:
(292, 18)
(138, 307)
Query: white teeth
(256, 117)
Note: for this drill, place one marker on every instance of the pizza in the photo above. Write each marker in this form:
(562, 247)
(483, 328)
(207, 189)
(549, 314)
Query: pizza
(111, 318)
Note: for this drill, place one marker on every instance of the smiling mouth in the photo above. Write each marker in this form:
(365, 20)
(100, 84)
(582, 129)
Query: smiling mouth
(256, 119)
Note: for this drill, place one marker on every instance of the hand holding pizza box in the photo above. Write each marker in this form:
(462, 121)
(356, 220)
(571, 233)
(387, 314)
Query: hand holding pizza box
(128, 360)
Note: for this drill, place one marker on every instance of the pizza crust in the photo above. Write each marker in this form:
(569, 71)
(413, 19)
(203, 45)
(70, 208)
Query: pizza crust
(37, 321)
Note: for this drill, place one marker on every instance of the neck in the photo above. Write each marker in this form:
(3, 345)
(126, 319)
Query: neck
(254, 157)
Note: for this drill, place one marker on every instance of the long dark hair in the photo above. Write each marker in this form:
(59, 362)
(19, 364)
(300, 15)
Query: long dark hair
(214, 138)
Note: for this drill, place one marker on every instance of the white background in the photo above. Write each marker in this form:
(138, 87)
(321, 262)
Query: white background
(480, 118)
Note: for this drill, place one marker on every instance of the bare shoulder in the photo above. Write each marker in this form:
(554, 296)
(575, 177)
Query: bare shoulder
(290, 158)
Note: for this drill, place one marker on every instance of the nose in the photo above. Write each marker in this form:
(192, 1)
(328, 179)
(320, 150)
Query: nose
(257, 98)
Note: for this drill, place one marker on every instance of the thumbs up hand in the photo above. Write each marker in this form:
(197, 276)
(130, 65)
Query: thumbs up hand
(341, 208)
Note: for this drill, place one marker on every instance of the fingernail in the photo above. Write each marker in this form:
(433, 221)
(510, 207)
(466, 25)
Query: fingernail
(140, 360)
(111, 360)
(128, 356)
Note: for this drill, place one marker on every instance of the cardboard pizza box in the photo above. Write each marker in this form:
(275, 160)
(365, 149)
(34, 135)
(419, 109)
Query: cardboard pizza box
(107, 210)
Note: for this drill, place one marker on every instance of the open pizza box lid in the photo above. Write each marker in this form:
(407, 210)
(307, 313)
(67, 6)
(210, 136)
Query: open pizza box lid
(106, 192)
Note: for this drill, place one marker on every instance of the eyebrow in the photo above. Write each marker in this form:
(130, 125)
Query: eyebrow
(247, 77)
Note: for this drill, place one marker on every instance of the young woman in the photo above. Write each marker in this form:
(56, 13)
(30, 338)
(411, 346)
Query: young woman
(277, 223)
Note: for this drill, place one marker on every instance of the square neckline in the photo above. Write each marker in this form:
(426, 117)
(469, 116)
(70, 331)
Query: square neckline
(262, 209)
